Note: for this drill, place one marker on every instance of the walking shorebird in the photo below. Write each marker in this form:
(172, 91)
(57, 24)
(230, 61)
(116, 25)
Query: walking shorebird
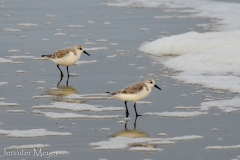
(135, 92)
(66, 57)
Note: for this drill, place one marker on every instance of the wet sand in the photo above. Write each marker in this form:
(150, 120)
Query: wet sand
(80, 136)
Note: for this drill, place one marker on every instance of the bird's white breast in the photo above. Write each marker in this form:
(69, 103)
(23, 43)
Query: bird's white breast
(67, 60)
(134, 97)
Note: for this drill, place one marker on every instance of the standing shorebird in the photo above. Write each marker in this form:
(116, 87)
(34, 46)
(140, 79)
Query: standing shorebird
(135, 92)
(66, 57)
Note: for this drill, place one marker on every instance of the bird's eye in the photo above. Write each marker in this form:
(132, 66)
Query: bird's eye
(151, 82)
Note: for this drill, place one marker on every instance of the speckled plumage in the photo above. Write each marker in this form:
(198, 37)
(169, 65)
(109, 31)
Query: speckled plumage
(62, 52)
(132, 89)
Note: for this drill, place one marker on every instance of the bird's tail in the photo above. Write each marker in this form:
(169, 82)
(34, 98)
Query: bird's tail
(46, 56)
(110, 94)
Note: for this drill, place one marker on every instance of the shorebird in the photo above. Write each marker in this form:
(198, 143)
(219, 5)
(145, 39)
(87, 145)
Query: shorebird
(135, 92)
(66, 57)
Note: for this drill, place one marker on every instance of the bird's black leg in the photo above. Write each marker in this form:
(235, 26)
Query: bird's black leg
(61, 76)
(67, 80)
(60, 71)
(67, 71)
(136, 110)
(68, 76)
(135, 122)
(59, 81)
(126, 109)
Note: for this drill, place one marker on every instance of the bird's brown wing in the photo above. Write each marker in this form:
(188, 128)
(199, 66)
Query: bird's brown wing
(133, 89)
(62, 52)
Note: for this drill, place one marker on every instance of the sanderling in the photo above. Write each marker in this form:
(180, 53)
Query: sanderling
(135, 92)
(66, 56)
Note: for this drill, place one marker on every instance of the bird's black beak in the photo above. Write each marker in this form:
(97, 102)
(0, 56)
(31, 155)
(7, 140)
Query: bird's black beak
(157, 87)
(86, 53)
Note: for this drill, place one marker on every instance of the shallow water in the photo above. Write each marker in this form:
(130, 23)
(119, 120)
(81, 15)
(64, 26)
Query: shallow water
(41, 77)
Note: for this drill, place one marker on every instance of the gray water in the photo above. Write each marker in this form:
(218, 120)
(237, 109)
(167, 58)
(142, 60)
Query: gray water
(93, 78)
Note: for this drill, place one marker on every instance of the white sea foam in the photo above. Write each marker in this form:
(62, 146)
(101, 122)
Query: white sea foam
(89, 43)
(105, 129)
(7, 15)
(60, 34)
(16, 111)
(177, 114)
(50, 16)
(91, 22)
(14, 51)
(4, 60)
(74, 74)
(209, 59)
(223, 147)
(206, 58)
(143, 29)
(74, 36)
(20, 57)
(39, 82)
(113, 44)
(78, 107)
(145, 149)
(22, 37)
(140, 67)
(112, 56)
(75, 26)
(186, 108)
(162, 142)
(122, 122)
(228, 106)
(96, 48)
(3, 104)
(20, 71)
(43, 96)
(118, 143)
(38, 58)
(124, 142)
(31, 133)
(162, 134)
(45, 39)
(89, 97)
(3, 83)
(144, 102)
(11, 30)
(47, 23)
(56, 115)
(27, 25)
(107, 23)
(102, 40)
(184, 138)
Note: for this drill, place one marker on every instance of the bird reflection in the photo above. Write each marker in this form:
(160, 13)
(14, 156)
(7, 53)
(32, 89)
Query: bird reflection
(131, 133)
(134, 133)
(61, 91)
